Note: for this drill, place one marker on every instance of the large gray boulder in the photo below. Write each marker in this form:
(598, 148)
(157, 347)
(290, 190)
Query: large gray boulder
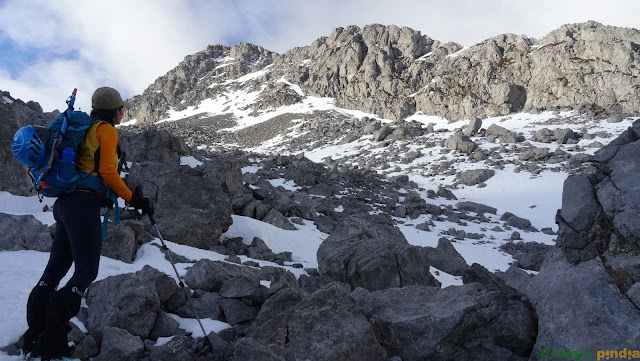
(23, 232)
(563, 294)
(121, 243)
(474, 126)
(529, 255)
(514, 221)
(502, 134)
(327, 325)
(118, 344)
(473, 177)
(190, 209)
(128, 301)
(446, 258)
(206, 305)
(372, 254)
(466, 322)
(153, 144)
(460, 142)
(283, 300)
(210, 275)
(534, 154)
(475, 207)
(600, 210)
(186, 348)
(225, 173)
(243, 287)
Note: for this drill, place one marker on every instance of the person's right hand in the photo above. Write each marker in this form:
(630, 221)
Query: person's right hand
(142, 203)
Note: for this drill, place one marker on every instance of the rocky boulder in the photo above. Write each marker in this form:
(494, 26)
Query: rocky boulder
(595, 266)
(210, 276)
(121, 243)
(503, 135)
(474, 126)
(153, 144)
(475, 207)
(195, 213)
(137, 304)
(446, 258)
(327, 325)
(514, 221)
(600, 210)
(118, 344)
(589, 290)
(468, 322)
(461, 143)
(23, 232)
(372, 254)
(473, 177)
(529, 255)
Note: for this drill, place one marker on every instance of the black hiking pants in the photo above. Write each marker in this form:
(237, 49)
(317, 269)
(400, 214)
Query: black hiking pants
(78, 240)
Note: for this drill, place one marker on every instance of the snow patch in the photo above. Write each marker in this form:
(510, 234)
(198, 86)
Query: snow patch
(294, 87)
(190, 161)
(457, 53)
(191, 325)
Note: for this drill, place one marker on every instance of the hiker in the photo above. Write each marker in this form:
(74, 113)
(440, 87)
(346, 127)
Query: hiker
(78, 234)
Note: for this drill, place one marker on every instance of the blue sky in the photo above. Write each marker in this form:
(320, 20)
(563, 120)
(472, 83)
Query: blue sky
(24, 55)
(47, 48)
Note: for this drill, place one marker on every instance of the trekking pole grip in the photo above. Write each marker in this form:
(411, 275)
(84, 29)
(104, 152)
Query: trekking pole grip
(138, 190)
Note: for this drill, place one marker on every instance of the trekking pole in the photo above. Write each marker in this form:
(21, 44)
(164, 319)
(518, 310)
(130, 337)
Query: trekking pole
(168, 253)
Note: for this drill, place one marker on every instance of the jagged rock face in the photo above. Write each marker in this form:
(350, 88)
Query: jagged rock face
(563, 293)
(486, 79)
(600, 210)
(191, 81)
(374, 68)
(395, 72)
(596, 267)
(583, 63)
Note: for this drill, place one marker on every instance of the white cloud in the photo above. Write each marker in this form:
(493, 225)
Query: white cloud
(129, 44)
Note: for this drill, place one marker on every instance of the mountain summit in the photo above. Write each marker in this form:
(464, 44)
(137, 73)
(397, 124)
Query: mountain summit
(395, 72)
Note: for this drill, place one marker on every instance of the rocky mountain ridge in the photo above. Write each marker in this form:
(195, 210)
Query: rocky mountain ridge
(395, 72)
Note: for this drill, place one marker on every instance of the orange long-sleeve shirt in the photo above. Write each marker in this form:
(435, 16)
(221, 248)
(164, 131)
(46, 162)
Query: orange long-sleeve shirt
(103, 136)
(107, 136)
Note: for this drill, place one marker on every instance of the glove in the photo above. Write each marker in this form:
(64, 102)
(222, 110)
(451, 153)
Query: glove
(143, 203)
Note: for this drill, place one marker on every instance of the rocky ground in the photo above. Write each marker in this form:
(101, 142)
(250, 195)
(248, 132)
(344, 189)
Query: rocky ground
(365, 265)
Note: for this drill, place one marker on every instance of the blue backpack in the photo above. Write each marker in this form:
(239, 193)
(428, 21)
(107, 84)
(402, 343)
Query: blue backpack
(49, 153)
